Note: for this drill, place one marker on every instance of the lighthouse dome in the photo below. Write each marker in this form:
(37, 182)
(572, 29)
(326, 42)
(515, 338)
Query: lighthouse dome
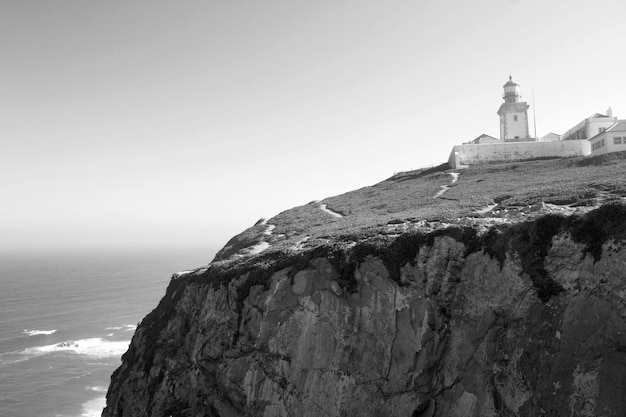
(510, 83)
(511, 91)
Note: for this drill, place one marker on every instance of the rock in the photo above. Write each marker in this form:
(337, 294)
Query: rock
(522, 322)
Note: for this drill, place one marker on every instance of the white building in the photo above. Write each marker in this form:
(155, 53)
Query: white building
(611, 139)
(515, 143)
(550, 137)
(513, 115)
(597, 134)
(591, 126)
(484, 138)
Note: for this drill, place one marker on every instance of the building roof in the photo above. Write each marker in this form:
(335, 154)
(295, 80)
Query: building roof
(550, 137)
(620, 126)
(510, 83)
(484, 138)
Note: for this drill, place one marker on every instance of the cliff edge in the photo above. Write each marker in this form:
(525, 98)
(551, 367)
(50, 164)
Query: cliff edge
(498, 290)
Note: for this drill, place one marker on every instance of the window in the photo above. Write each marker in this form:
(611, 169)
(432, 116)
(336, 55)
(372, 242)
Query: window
(515, 118)
(617, 140)
(602, 142)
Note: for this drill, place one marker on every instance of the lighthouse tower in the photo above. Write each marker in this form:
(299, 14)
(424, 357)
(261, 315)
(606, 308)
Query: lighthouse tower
(513, 115)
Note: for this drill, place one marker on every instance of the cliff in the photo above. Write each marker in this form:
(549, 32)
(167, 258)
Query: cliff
(490, 300)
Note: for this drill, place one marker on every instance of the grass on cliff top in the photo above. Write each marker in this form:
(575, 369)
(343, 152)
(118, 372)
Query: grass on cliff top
(410, 197)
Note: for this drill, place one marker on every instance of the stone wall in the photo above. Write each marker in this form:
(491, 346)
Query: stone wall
(471, 154)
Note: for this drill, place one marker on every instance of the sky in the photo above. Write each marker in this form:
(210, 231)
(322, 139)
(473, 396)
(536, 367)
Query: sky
(181, 123)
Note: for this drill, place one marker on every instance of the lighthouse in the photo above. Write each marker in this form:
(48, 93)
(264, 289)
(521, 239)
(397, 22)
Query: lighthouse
(513, 115)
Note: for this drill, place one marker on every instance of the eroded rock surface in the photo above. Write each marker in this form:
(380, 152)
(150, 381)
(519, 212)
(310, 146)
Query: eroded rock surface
(522, 320)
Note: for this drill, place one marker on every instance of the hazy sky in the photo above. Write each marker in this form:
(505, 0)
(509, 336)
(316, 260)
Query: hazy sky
(184, 122)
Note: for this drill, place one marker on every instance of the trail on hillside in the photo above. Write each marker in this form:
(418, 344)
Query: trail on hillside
(444, 188)
(325, 209)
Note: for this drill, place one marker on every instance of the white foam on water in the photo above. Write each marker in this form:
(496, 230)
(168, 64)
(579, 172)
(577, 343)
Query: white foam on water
(38, 332)
(94, 347)
(126, 327)
(12, 360)
(93, 408)
(97, 389)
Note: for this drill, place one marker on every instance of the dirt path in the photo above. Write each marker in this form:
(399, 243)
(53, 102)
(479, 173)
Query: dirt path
(324, 208)
(444, 188)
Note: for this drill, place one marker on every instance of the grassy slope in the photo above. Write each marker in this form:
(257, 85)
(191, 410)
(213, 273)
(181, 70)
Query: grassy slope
(409, 198)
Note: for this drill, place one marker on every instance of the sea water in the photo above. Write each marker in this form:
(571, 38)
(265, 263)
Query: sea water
(66, 318)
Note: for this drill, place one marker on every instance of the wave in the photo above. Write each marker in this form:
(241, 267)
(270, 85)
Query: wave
(11, 361)
(93, 408)
(126, 327)
(94, 347)
(38, 332)
(97, 389)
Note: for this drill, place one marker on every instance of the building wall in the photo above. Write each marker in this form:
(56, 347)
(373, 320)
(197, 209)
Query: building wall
(598, 145)
(608, 142)
(596, 126)
(515, 151)
(517, 127)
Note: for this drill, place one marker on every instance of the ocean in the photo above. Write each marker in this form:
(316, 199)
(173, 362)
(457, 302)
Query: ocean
(67, 318)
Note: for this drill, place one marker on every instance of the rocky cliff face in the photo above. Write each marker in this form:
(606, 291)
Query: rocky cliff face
(523, 318)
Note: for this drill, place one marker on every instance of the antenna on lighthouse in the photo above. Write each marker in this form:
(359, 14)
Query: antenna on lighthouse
(534, 115)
